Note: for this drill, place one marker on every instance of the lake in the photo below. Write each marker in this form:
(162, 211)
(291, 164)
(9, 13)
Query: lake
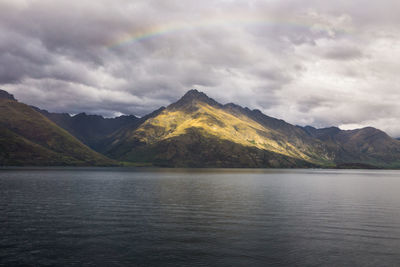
(200, 217)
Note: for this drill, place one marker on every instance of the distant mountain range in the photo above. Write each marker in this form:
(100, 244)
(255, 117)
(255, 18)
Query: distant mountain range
(195, 131)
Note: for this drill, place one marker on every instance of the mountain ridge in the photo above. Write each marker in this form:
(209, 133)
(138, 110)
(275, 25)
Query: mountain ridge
(195, 111)
(91, 130)
(197, 131)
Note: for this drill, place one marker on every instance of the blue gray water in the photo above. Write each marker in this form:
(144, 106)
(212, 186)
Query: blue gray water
(119, 217)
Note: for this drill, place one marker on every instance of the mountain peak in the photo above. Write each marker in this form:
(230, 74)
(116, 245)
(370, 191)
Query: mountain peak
(192, 96)
(6, 95)
(195, 94)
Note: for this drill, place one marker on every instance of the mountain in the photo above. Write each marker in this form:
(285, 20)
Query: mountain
(92, 130)
(367, 146)
(29, 138)
(197, 131)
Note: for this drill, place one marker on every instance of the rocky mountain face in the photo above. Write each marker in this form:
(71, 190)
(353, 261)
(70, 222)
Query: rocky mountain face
(6, 95)
(197, 131)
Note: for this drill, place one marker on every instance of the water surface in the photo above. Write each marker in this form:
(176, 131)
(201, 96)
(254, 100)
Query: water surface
(210, 217)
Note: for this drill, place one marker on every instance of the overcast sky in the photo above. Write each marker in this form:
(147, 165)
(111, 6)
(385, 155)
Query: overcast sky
(314, 62)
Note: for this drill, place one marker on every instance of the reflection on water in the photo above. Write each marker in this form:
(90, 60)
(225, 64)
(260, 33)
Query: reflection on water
(169, 217)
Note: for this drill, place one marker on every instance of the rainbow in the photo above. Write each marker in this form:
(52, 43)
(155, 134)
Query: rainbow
(175, 27)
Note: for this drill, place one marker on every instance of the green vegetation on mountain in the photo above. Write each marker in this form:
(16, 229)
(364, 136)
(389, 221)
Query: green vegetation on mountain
(29, 138)
(197, 148)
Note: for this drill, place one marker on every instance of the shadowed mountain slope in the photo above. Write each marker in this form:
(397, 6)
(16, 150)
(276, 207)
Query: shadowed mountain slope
(365, 146)
(29, 138)
(92, 130)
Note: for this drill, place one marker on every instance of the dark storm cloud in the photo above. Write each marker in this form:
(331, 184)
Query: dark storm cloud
(308, 62)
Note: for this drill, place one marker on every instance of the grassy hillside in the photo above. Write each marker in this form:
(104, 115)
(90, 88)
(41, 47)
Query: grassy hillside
(29, 138)
(211, 122)
(197, 148)
(198, 131)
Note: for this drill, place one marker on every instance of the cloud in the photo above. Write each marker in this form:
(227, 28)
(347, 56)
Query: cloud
(340, 53)
(308, 62)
